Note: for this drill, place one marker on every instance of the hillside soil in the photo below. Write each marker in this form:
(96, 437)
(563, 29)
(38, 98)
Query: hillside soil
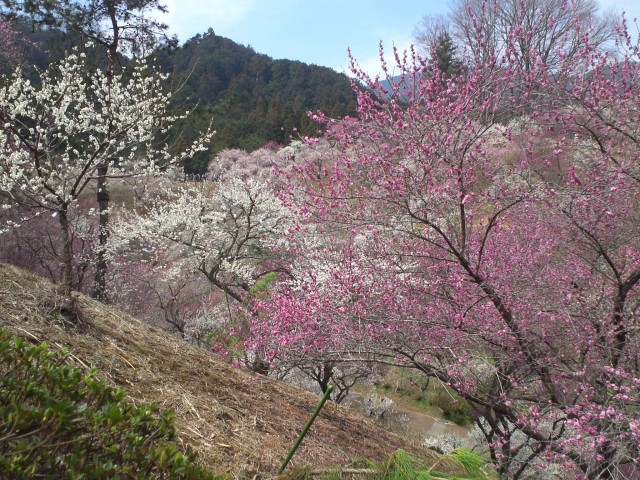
(238, 422)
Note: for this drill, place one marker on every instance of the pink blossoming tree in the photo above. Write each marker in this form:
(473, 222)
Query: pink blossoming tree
(10, 41)
(501, 258)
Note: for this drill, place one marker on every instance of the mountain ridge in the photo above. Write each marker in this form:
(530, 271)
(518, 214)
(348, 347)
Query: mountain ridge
(250, 98)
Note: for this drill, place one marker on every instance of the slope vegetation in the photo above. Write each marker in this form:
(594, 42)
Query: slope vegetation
(236, 421)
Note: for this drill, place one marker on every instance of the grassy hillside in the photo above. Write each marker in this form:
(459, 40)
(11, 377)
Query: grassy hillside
(236, 421)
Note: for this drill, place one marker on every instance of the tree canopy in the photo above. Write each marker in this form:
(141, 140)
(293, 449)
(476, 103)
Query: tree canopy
(499, 258)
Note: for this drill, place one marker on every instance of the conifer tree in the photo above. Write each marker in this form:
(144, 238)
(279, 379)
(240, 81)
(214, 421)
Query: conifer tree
(444, 55)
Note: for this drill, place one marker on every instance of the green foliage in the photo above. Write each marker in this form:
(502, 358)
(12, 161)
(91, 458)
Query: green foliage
(400, 466)
(472, 462)
(56, 421)
(453, 407)
(263, 286)
(425, 393)
(460, 464)
(445, 55)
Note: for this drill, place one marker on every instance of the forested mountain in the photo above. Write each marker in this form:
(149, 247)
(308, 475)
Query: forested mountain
(250, 98)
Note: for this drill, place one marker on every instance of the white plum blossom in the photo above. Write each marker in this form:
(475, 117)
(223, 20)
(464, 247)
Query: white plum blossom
(54, 136)
(220, 229)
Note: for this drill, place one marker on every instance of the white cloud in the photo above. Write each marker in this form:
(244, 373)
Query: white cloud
(188, 17)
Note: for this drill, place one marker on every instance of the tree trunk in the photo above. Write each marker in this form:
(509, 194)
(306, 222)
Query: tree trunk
(325, 371)
(102, 197)
(66, 285)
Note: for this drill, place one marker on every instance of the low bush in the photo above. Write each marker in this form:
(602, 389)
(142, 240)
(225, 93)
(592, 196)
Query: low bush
(426, 394)
(454, 409)
(59, 422)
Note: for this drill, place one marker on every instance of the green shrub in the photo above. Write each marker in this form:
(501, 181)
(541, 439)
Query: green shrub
(58, 422)
(424, 393)
(455, 409)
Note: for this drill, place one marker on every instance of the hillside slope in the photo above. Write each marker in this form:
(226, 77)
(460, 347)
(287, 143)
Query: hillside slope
(238, 422)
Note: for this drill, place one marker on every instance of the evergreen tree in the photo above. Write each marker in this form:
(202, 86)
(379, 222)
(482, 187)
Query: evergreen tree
(444, 56)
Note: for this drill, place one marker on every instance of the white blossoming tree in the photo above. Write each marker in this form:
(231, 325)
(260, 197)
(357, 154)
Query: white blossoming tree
(54, 136)
(225, 232)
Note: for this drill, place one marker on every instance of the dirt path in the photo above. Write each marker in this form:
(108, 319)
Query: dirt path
(412, 422)
(420, 423)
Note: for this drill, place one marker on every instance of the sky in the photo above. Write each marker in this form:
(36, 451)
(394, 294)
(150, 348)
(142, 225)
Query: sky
(318, 32)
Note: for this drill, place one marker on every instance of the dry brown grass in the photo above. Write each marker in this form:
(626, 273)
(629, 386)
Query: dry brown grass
(238, 422)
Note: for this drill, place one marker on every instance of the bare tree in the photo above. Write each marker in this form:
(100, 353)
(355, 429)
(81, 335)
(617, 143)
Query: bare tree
(429, 30)
(543, 29)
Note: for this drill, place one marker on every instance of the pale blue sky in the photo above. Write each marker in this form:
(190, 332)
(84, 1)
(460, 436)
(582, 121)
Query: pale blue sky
(317, 32)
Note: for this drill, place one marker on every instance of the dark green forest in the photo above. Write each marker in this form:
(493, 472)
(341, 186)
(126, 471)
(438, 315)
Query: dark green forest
(250, 98)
